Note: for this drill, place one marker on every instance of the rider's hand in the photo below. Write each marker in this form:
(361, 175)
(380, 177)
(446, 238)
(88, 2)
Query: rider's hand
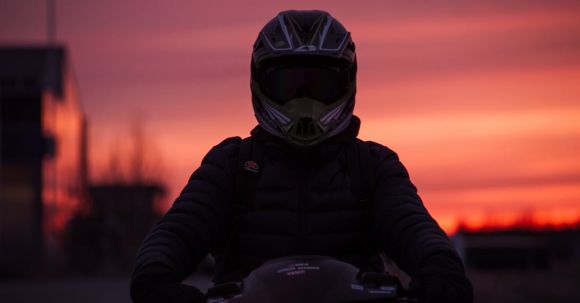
(156, 284)
(442, 279)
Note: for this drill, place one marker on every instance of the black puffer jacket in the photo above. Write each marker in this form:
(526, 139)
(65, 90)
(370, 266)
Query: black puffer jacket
(303, 204)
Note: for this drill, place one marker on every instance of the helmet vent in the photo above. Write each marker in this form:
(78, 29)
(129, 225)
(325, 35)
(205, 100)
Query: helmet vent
(306, 129)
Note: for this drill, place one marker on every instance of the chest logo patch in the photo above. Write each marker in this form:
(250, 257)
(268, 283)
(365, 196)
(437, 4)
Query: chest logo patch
(251, 166)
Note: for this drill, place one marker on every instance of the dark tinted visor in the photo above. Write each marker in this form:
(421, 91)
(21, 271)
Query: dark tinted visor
(322, 83)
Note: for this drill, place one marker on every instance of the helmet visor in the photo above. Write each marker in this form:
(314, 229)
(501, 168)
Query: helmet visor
(323, 83)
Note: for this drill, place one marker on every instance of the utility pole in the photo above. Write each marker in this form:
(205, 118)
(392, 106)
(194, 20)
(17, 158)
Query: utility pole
(51, 21)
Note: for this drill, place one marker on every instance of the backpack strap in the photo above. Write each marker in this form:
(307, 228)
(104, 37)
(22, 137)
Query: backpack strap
(362, 175)
(250, 159)
(360, 170)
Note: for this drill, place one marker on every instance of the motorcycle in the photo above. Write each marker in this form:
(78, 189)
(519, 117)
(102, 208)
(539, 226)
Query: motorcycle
(310, 279)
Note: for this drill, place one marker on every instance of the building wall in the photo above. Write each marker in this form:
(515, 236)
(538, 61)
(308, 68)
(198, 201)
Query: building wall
(63, 175)
(42, 156)
(21, 148)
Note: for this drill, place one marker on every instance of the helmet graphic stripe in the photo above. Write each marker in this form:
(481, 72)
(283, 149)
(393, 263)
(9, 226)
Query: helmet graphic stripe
(322, 36)
(285, 30)
(333, 114)
(276, 114)
(341, 126)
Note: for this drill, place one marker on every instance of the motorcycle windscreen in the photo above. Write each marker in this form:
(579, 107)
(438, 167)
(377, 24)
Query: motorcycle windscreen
(323, 83)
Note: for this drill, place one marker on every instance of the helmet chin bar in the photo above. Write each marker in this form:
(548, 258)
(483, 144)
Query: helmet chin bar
(305, 126)
(303, 121)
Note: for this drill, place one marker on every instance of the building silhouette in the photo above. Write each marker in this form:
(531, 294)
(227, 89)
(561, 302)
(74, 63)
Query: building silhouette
(105, 239)
(43, 156)
(517, 247)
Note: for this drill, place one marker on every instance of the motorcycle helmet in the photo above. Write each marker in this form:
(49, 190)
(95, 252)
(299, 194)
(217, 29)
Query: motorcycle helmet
(303, 77)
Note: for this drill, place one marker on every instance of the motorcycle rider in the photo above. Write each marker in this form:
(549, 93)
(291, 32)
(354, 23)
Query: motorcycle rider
(301, 184)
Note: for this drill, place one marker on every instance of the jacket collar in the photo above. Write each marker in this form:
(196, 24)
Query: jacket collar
(278, 146)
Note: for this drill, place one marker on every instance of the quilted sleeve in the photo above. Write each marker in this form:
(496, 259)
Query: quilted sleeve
(193, 226)
(405, 230)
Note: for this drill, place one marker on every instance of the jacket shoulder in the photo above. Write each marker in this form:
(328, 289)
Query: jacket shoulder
(380, 152)
(220, 158)
(228, 143)
(228, 149)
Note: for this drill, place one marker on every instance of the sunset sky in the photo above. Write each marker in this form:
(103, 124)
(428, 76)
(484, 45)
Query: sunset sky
(480, 99)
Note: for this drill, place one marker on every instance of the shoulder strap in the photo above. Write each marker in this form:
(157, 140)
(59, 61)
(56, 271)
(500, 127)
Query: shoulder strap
(249, 166)
(362, 175)
(360, 170)
(250, 161)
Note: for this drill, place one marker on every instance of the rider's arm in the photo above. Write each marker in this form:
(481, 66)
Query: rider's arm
(409, 235)
(191, 228)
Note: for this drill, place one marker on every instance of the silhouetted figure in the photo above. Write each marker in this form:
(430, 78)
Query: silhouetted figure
(302, 184)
